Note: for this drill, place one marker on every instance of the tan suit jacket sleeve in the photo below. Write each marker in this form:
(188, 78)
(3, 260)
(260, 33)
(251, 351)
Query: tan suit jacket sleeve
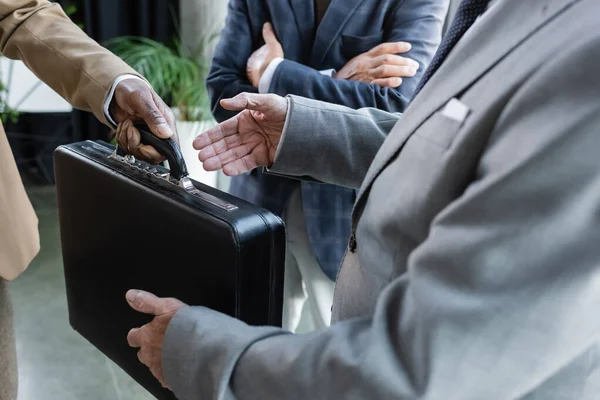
(59, 53)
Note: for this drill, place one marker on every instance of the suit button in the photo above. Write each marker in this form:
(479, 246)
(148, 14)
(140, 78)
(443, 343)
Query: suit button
(352, 245)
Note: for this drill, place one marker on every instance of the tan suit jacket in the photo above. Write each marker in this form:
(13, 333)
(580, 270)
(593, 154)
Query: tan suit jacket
(60, 54)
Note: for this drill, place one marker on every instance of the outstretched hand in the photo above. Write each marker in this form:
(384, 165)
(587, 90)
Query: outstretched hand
(247, 141)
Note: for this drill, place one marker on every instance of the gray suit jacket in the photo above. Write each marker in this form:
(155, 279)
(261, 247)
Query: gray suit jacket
(476, 270)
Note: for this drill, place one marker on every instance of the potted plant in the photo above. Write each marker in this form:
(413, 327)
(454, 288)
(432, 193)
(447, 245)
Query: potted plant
(179, 78)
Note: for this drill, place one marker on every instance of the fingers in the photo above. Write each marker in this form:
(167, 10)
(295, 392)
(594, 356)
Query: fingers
(148, 303)
(392, 71)
(226, 151)
(150, 153)
(218, 162)
(141, 358)
(121, 135)
(224, 145)
(129, 139)
(388, 82)
(149, 358)
(390, 48)
(216, 133)
(144, 302)
(251, 101)
(269, 34)
(238, 167)
(392, 59)
(134, 337)
(220, 148)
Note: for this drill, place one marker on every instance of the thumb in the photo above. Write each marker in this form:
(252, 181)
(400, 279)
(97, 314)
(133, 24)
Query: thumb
(269, 34)
(248, 101)
(149, 111)
(144, 302)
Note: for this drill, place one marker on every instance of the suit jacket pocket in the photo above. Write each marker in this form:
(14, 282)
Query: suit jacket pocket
(440, 129)
(355, 45)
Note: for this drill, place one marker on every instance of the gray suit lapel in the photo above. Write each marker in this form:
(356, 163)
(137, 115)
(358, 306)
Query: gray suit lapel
(336, 17)
(509, 23)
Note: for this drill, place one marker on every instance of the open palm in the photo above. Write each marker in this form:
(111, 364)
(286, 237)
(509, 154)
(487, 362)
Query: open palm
(248, 140)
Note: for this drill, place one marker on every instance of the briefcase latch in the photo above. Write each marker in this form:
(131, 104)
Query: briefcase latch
(189, 187)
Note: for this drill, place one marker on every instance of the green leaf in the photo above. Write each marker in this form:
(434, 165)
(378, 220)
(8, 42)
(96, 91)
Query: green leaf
(70, 9)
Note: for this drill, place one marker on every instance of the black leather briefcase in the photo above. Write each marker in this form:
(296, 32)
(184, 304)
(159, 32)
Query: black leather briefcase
(127, 224)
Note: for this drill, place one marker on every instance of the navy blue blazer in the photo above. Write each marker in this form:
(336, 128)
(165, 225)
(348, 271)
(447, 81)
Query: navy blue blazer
(349, 28)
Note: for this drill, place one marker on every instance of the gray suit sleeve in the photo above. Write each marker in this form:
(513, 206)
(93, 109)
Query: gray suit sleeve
(501, 296)
(200, 372)
(331, 143)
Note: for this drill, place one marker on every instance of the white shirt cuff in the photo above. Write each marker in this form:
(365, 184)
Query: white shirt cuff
(265, 80)
(328, 72)
(111, 94)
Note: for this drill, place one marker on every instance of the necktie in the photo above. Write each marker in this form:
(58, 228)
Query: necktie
(467, 13)
(320, 9)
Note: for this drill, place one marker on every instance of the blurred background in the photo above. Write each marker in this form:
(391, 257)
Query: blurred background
(175, 38)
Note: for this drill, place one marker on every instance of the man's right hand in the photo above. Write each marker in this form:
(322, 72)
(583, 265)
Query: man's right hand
(134, 100)
(247, 141)
(381, 65)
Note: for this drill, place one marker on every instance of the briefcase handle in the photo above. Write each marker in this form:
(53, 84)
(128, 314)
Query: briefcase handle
(166, 147)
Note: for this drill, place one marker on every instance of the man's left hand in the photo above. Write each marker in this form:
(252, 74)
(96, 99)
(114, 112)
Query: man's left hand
(261, 58)
(135, 100)
(150, 337)
(381, 66)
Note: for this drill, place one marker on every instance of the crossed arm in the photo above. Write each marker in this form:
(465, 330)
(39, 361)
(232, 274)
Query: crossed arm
(420, 25)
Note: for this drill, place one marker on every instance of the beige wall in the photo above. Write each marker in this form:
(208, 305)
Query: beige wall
(199, 18)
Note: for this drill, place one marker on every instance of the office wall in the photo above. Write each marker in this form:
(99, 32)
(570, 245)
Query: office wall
(200, 18)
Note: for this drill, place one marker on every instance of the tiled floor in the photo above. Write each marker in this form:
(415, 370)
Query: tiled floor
(55, 362)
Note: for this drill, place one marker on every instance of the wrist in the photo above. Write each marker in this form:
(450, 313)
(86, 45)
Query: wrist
(265, 65)
(268, 75)
(110, 103)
